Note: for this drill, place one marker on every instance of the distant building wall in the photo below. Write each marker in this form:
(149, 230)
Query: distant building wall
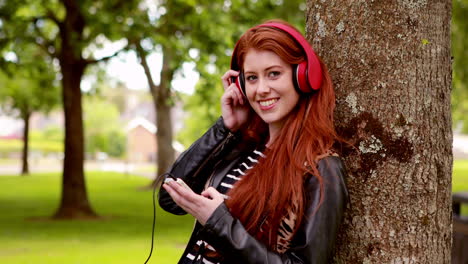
(141, 145)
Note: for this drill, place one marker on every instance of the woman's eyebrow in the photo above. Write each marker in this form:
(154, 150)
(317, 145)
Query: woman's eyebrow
(266, 69)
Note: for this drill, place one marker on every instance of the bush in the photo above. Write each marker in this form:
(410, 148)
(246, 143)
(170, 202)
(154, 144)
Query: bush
(8, 146)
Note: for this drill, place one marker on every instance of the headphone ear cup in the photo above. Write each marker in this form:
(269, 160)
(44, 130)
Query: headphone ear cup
(294, 77)
(240, 82)
(300, 77)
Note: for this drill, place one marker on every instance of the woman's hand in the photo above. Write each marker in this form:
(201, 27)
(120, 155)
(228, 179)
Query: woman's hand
(234, 106)
(200, 206)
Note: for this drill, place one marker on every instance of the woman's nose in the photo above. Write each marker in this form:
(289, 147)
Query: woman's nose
(263, 87)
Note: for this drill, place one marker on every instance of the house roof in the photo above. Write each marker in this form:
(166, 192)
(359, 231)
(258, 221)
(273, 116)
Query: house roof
(141, 121)
(150, 127)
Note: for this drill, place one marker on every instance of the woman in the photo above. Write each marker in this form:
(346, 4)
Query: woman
(265, 184)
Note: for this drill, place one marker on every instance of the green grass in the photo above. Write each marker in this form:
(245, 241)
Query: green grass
(460, 180)
(460, 176)
(123, 235)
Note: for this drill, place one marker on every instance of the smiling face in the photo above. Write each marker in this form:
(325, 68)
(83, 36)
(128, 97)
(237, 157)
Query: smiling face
(269, 87)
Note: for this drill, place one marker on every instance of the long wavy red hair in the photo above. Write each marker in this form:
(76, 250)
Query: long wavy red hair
(276, 185)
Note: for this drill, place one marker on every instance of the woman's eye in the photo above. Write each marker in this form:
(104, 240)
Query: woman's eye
(274, 74)
(251, 78)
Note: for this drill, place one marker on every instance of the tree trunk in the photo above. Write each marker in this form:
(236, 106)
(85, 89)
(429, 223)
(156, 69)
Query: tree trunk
(391, 67)
(161, 98)
(25, 154)
(74, 202)
(163, 116)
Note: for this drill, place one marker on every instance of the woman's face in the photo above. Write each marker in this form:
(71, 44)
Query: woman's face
(269, 86)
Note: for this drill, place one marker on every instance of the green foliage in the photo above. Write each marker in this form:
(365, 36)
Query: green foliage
(67, 33)
(201, 114)
(460, 176)
(460, 180)
(48, 141)
(121, 236)
(39, 22)
(36, 145)
(460, 66)
(117, 143)
(53, 133)
(116, 95)
(102, 128)
(28, 82)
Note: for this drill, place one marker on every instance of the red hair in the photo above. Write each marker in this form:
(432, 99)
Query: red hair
(275, 185)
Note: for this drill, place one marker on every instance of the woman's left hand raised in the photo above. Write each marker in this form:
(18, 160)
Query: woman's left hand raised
(200, 206)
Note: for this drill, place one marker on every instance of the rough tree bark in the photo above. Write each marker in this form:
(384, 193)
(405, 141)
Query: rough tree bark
(391, 66)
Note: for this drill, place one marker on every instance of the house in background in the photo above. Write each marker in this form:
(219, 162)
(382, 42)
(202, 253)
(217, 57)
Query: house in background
(141, 141)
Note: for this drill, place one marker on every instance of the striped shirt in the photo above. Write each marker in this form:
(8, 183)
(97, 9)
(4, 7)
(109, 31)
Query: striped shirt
(202, 250)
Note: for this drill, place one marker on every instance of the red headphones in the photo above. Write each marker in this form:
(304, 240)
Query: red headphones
(307, 75)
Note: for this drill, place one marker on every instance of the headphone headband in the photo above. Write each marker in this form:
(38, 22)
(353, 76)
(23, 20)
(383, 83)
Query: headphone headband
(313, 71)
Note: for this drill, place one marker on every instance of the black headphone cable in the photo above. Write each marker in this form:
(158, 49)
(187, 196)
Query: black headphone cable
(156, 184)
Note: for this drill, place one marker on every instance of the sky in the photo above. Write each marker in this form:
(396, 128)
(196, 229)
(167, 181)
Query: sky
(126, 68)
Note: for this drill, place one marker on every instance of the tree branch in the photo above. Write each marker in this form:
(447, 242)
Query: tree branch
(92, 61)
(47, 43)
(144, 63)
(50, 15)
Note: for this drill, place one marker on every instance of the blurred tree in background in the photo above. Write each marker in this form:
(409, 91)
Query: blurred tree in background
(28, 86)
(460, 67)
(67, 31)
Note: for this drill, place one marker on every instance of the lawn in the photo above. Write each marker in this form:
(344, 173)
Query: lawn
(460, 180)
(460, 176)
(123, 235)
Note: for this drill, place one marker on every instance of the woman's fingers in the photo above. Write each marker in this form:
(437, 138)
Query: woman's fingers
(234, 95)
(212, 193)
(182, 196)
(226, 78)
(200, 206)
(234, 106)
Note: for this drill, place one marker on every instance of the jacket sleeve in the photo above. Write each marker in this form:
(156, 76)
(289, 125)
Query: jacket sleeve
(194, 165)
(312, 243)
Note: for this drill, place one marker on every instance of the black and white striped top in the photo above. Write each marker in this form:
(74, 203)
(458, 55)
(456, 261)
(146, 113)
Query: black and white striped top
(202, 251)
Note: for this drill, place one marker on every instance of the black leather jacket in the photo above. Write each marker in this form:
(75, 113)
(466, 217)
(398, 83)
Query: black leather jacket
(211, 157)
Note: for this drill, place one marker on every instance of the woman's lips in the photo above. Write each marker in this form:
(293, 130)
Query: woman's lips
(267, 104)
